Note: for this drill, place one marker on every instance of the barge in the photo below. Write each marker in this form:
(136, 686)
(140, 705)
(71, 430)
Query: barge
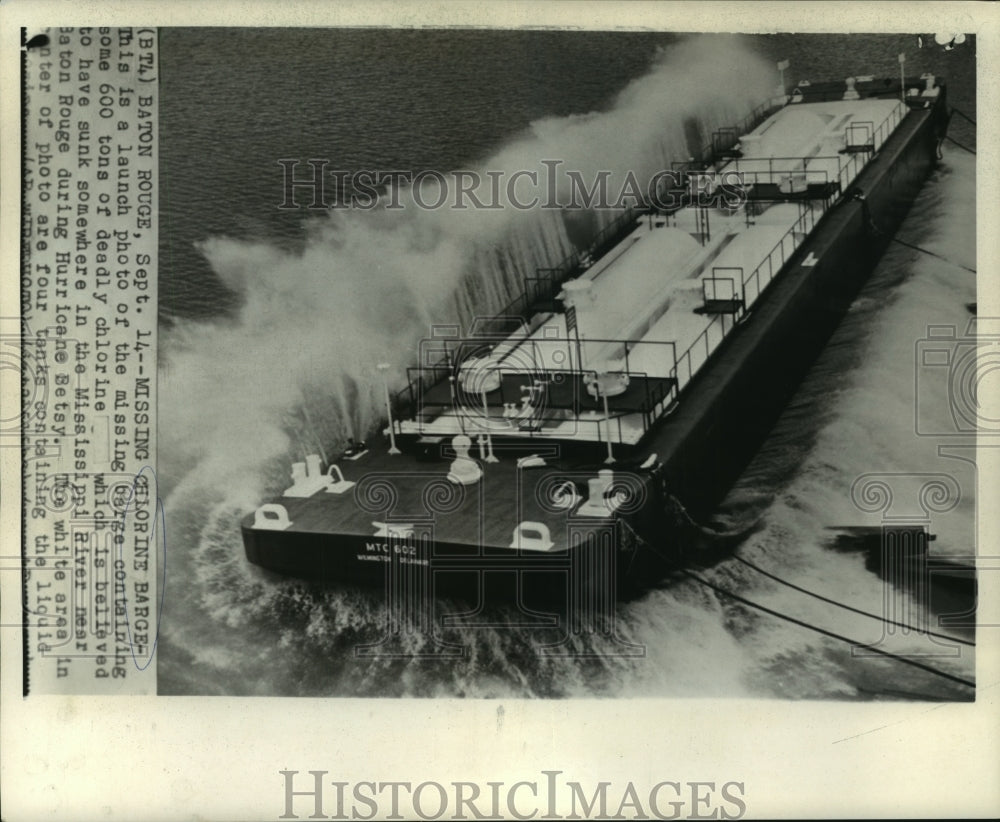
(565, 447)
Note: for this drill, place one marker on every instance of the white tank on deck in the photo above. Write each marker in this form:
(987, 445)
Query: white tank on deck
(480, 375)
(578, 293)
(800, 127)
(750, 146)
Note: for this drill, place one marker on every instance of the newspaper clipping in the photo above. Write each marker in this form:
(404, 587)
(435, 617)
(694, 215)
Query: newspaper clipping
(513, 413)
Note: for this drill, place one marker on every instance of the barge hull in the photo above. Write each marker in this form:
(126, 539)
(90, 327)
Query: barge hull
(702, 446)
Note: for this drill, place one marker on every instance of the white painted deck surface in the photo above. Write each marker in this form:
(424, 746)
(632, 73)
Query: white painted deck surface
(807, 140)
(645, 290)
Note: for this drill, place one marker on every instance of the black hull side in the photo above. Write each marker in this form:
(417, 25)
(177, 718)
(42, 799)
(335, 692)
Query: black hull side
(588, 576)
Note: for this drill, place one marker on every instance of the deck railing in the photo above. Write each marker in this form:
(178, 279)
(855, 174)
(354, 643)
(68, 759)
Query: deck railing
(850, 165)
(775, 169)
(561, 364)
(538, 290)
(869, 90)
(544, 287)
(760, 277)
(725, 138)
(753, 285)
(701, 349)
(888, 125)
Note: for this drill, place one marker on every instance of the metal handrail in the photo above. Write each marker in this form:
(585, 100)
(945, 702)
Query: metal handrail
(521, 305)
(573, 262)
(757, 275)
(880, 134)
(759, 113)
(654, 398)
(627, 346)
(811, 94)
(656, 392)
